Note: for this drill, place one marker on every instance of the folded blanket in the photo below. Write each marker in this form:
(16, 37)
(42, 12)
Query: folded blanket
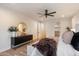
(46, 46)
(75, 41)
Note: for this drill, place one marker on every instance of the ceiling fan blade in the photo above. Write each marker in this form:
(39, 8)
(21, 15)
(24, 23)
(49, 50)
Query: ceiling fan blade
(52, 12)
(50, 15)
(40, 14)
(46, 12)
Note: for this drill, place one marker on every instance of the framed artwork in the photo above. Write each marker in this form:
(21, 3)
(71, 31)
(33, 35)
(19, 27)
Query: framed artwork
(57, 33)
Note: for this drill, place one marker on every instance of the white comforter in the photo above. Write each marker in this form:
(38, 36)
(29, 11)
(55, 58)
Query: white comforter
(32, 51)
(64, 49)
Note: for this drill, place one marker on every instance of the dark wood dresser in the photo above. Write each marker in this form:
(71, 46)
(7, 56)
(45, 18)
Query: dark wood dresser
(20, 40)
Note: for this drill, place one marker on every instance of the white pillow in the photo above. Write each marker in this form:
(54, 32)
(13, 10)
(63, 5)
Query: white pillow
(64, 49)
(32, 51)
(35, 52)
(67, 37)
(30, 48)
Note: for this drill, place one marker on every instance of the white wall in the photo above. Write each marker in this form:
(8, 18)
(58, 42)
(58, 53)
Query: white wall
(50, 25)
(75, 22)
(9, 18)
(65, 22)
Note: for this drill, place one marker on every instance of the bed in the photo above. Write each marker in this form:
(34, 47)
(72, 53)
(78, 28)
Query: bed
(61, 49)
(44, 47)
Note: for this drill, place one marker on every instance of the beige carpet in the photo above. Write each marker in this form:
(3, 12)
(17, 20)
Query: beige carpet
(20, 51)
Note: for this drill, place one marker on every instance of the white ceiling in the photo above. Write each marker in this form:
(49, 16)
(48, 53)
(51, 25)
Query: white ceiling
(32, 9)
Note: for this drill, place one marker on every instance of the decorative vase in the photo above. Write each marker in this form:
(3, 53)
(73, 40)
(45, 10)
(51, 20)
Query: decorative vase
(13, 34)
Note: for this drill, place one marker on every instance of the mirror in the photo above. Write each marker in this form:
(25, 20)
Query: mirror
(21, 29)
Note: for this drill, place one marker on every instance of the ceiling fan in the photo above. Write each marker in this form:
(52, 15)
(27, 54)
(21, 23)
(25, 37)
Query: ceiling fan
(46, 13)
